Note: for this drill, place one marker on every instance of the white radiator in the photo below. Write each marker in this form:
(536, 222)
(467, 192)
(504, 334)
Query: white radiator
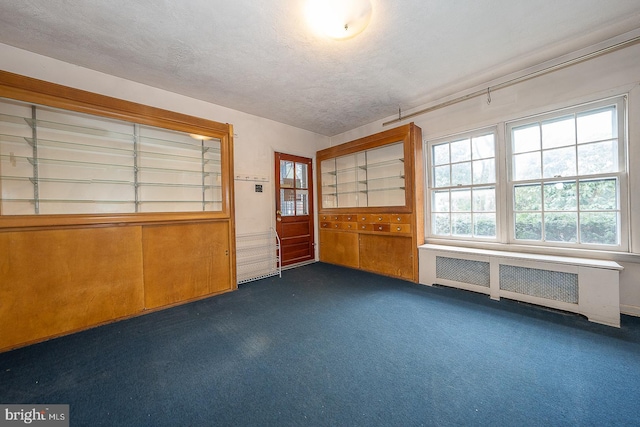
(585, 286)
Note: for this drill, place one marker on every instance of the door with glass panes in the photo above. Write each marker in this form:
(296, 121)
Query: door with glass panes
(294, 208)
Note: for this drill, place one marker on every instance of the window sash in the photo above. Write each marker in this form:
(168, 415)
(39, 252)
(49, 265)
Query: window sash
(618, 172)
(463, 220)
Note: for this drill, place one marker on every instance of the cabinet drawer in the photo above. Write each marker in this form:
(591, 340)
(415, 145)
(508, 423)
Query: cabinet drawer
(326, 224)
(400, 218)
(363, 218)
(379, 218)
(381, 227)
(350, 218)
(349, 226)
(324, 217)
(400, 228)
(365, 227)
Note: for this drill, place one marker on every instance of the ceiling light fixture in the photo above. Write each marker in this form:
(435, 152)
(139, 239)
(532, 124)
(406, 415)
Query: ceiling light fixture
(338, 19)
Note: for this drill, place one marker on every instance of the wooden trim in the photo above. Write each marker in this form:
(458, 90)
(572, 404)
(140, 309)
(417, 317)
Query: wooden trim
(23, 222)
(398, 134)
(36, 91)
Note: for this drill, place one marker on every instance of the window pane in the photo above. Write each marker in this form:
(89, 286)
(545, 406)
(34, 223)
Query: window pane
(526, 138)
(484, 225)
(599, 228)
(441, 224)
(558, 132)
(484, 171)
(286, 174)
(601, 157)
(441, 176)
(597, 125)
(301, 175)
(461, 201)
(461, 174)
(526, 166)
(287, 202)
(560, 227)
(440, 201)
(483, 147)
(598, 195)
(528, 226)
(461, 224)
(560, 196)
(528, 197)
(559, 162)
(302, 202)
(484, 199)
(440, 154)
(460, 151)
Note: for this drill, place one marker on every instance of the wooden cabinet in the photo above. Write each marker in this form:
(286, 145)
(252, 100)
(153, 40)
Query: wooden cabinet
(370, 215)
(70, 262)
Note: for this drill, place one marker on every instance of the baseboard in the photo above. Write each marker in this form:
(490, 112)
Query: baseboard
(630, 310)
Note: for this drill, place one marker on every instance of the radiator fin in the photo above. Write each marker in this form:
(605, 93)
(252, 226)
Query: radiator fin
(463, 270)
(547, 284)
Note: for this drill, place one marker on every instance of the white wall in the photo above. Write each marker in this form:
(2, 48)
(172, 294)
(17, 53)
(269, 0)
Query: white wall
(614, 73)
(256, 138)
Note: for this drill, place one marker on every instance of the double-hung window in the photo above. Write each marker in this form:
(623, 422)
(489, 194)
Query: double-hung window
(567, 177)
(462, 175)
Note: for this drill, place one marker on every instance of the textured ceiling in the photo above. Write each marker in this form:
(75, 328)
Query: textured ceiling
(258, 56)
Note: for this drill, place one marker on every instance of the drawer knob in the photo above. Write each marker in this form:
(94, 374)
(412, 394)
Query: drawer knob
(399, 228)
(379, 218)
(379, 228)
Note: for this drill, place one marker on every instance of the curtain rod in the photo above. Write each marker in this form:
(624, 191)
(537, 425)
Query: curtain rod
(511, 82)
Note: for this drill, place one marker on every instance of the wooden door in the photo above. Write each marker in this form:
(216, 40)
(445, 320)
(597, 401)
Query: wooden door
(294, 208)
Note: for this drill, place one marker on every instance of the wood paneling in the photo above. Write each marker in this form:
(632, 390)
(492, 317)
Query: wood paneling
(57, 281)
(337, 247)
(389, 255)
(185, 261)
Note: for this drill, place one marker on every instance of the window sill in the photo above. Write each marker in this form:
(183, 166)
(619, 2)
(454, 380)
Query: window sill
(540, 250)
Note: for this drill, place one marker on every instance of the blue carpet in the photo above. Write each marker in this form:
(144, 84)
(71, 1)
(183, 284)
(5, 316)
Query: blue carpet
(330, 346)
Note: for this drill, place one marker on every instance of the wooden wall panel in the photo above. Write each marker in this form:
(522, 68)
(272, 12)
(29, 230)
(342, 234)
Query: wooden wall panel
(339, 248)
(388, 255)
(185, 261)
(58, 281)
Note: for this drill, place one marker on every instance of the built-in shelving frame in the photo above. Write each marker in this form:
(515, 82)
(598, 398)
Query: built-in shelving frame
(373, 218)
(38, 92)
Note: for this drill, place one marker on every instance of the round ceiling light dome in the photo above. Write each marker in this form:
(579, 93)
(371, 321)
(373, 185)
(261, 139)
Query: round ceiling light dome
(338, 19)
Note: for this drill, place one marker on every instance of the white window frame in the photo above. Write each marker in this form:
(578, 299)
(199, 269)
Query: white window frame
(431, 189)
(622, 175)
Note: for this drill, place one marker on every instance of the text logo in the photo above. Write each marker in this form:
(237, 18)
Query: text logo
(35, 415)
